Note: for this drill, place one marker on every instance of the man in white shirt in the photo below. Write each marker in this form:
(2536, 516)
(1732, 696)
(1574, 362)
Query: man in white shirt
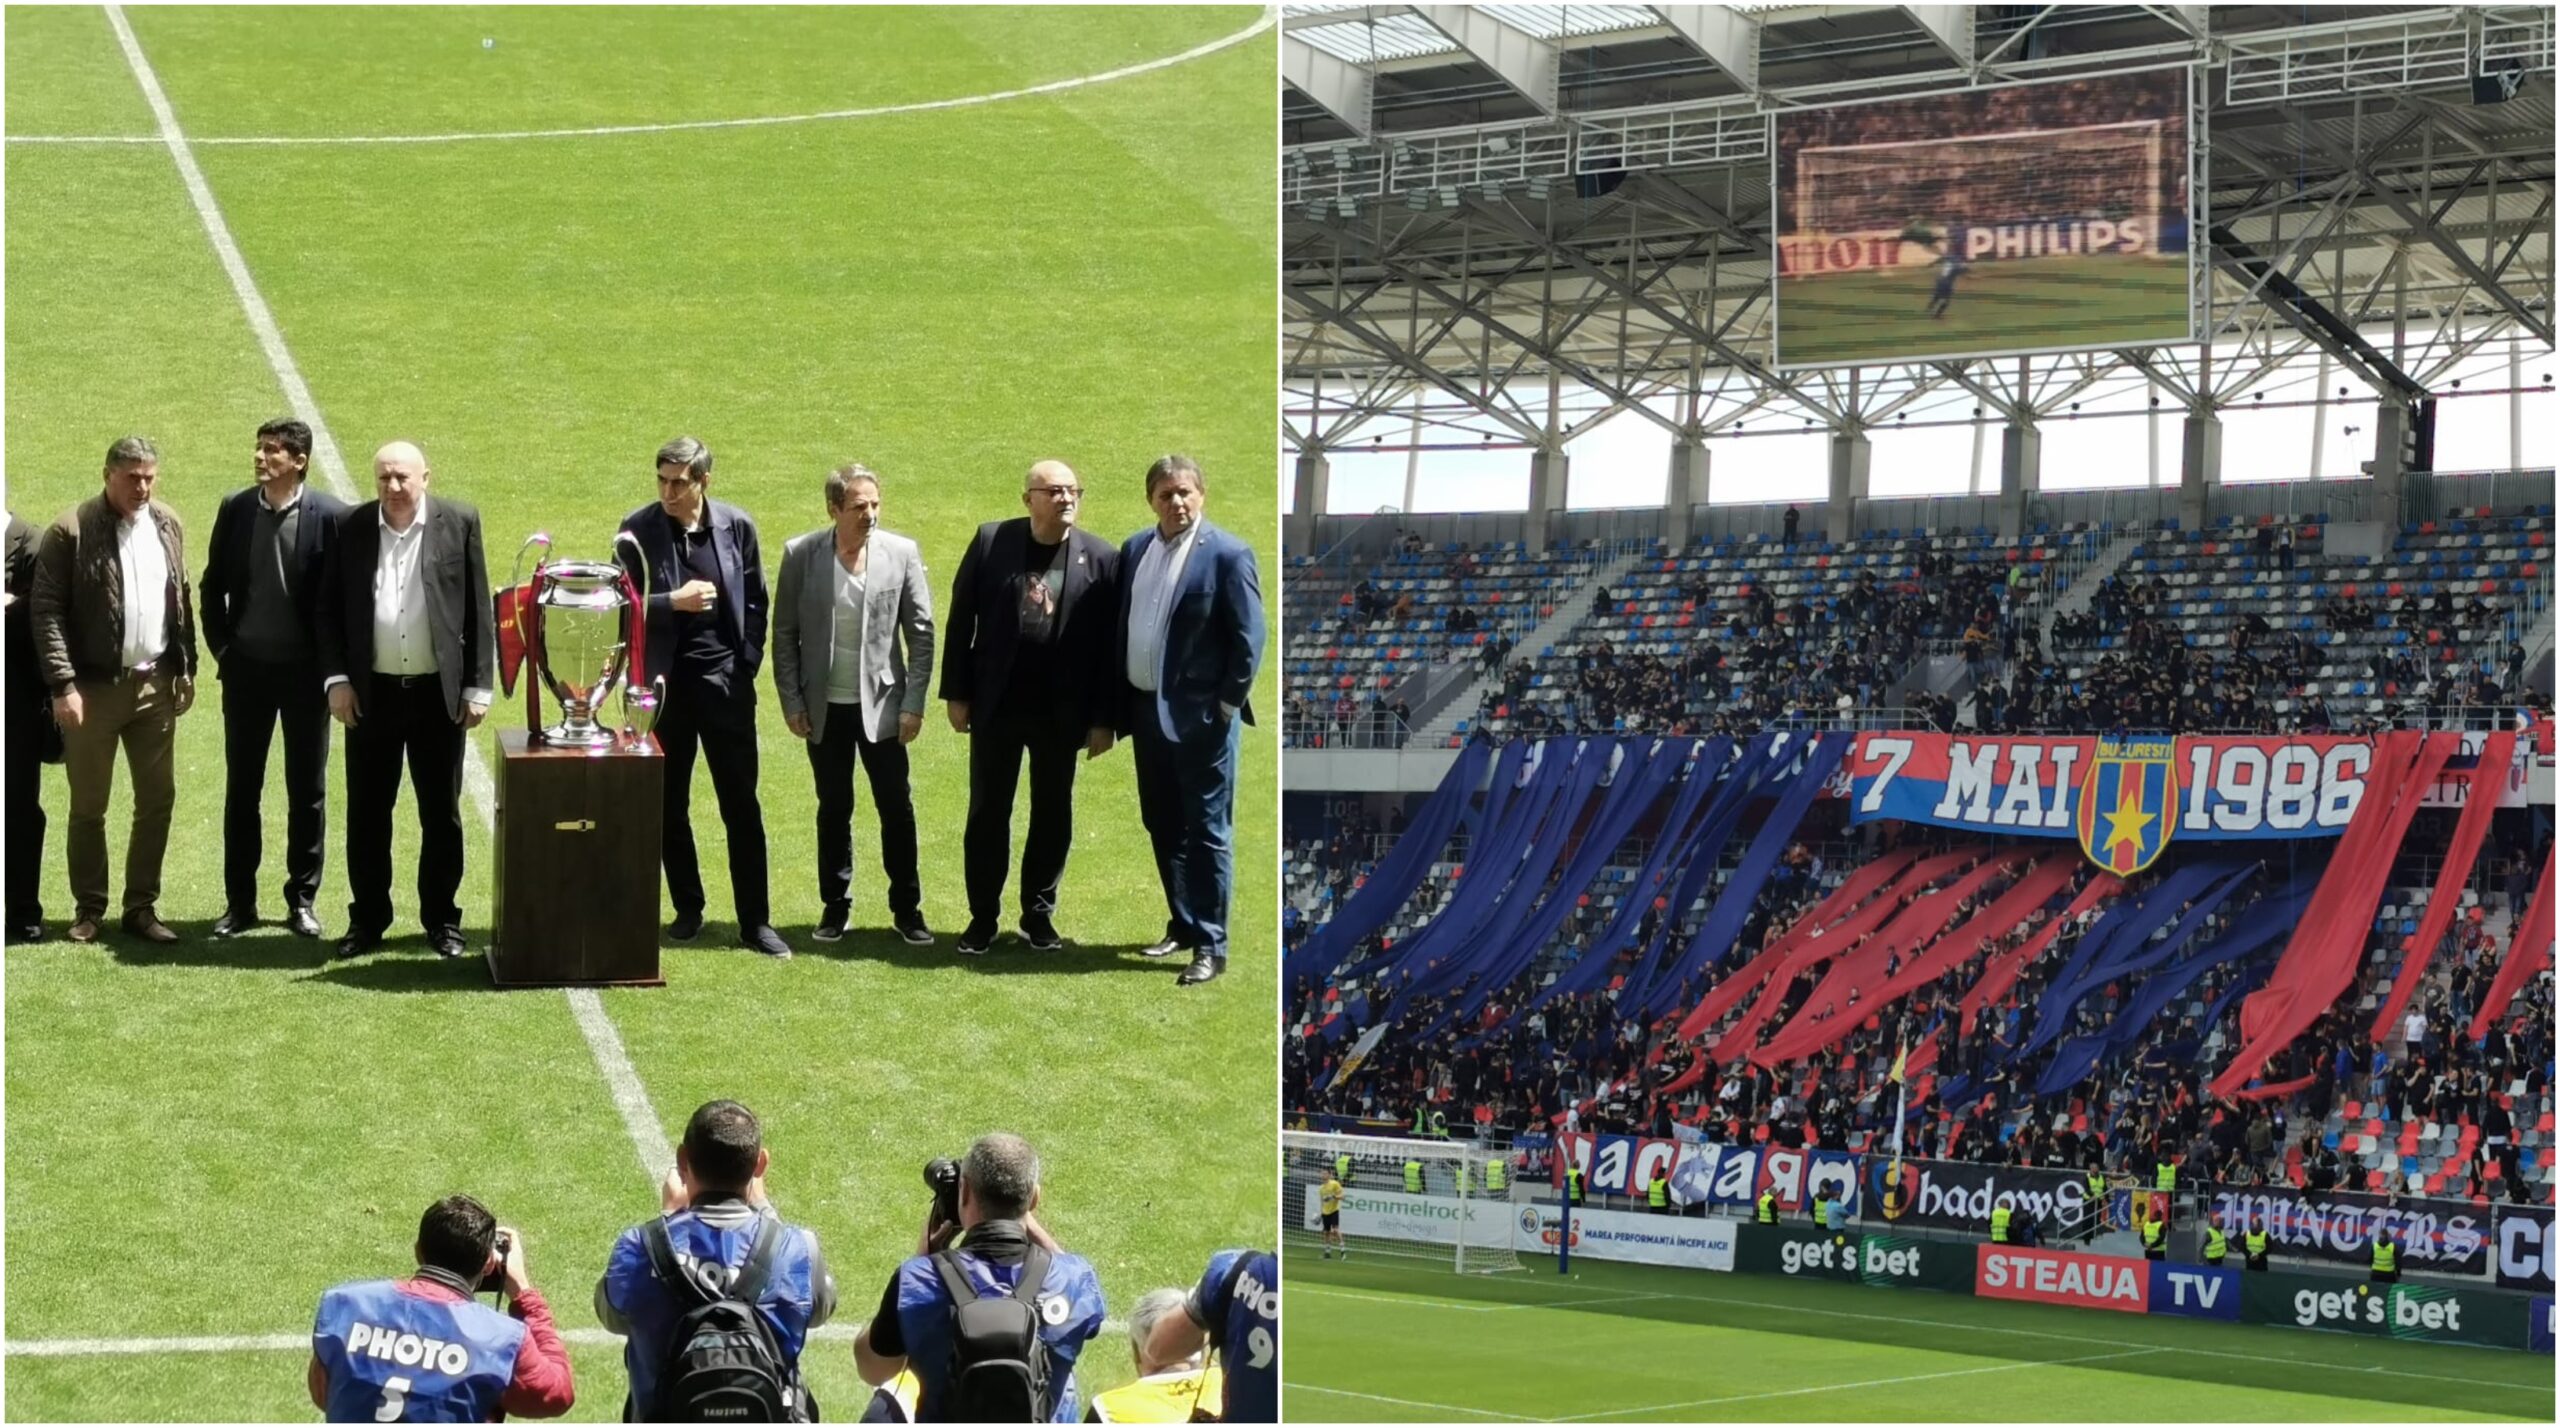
(407, 656)
(1191, 622)
(114, 623)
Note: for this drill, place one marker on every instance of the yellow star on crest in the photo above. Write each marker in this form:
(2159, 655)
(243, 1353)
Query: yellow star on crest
(2126, 820)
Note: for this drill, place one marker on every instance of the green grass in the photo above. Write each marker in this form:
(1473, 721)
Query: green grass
(1881, 315)
(1372, 1339)
(201, 1138)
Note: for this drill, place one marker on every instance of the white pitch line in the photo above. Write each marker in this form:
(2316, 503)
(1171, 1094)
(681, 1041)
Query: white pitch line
(648, 1138)
(1056, 86)
(1621, 1413)
(1295, 1387)
(631, 1098)
(1424, 1300)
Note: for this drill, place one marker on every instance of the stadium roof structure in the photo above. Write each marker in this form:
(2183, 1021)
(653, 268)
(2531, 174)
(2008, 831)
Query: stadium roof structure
(1482, 198)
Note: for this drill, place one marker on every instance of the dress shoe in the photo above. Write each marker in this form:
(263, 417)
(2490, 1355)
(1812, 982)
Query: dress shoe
(26, 932)
(148, 926)
(355, 944)
(1203, 968)
(303, 922)
(911, 926)
(1166, 948)
(766, 941)
(831, 922)
(83, 930)
(235, 922)
(686, 927)
(447, 941)
(976, 939)
(1040, 933)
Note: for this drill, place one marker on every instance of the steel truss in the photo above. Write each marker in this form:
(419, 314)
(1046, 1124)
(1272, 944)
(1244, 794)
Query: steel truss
(1433, 277)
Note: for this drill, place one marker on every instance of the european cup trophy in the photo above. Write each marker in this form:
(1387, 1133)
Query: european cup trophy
(583, 626)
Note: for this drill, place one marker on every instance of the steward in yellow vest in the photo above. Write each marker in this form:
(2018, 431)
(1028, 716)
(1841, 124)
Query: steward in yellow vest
(2216, 1245)
(1413, 1177)
(1999, 1224)
(2386, 1258)
(2155, 1239)
(1658, 1194)
(1767, 1211)
(2253, 1245)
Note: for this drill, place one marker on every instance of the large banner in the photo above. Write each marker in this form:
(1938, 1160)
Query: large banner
(2195, 1291)
(2127, 799)
(1958, 1195)
(2523, 1247)
(2337, 1227)
(1796, 1174)
(2042, 1276)
(1701, 1173)
(2030, 217)
(1683, 1242)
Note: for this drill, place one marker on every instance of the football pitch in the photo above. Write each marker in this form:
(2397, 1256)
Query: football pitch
(1399, 1341)
(971, 238)
(1881, 315)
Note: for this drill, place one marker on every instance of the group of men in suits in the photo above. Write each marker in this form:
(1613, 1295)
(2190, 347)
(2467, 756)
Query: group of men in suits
(379, 617)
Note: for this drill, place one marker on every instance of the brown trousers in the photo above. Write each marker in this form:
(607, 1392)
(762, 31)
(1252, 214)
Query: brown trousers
(142, 716)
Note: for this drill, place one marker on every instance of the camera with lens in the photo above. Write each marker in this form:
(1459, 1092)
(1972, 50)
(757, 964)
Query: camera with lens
(495, 1281)
(942, 1177)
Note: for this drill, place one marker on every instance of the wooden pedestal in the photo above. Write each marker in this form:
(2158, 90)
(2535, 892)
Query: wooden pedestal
(577, 881)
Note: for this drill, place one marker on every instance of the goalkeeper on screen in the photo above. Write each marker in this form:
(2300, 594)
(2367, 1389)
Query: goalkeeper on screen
(1329, 1205)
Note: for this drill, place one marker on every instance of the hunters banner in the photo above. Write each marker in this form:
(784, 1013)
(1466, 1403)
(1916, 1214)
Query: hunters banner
(1959, 1195)
(2439, 1236)
(2125, 799)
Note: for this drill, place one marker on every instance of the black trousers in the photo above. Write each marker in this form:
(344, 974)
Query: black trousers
(721, 726)
(25, 871)
(996, 751)
(256, 697)
(404, 722)
(831, 761)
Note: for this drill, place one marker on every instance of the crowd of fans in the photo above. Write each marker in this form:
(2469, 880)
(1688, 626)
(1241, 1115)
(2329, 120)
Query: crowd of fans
(1575, 1062)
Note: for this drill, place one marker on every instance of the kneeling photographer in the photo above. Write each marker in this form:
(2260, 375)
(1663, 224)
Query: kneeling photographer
(990, 1312)
(426, 1350)
(718, 1295)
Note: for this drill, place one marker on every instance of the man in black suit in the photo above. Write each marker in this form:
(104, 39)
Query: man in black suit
(406, 655)
(260, 598)
(1026, 669)
(707, 611)
(30, 725)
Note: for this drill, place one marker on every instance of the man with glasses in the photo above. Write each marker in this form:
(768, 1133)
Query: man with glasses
(1027, 669)
(706, 638)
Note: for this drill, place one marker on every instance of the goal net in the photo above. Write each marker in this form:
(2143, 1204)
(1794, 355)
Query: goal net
(1448, 1212)
(2066, 192)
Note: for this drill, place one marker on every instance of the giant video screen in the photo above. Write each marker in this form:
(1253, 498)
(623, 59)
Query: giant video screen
(2023, 218)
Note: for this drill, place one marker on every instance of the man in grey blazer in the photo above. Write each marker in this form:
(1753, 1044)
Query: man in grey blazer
(852, 619)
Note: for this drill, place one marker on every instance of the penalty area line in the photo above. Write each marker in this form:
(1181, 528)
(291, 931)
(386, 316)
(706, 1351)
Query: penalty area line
(648, 1139)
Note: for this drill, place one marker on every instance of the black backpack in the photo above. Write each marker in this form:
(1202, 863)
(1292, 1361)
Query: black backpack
(999, 1367)
(722, 1365)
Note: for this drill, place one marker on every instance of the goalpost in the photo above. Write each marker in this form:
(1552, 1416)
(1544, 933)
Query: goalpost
(2029, 193)
(1455, 1219)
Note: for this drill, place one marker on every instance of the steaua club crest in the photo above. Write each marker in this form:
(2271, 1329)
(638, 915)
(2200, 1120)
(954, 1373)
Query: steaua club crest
(2129, 802)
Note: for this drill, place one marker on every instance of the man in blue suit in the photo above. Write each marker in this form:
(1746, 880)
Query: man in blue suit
(1191, 638)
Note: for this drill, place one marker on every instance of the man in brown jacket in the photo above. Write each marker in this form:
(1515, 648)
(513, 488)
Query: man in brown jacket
(115, 638)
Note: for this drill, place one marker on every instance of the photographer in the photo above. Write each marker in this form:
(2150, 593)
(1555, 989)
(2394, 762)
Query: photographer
(1170, 1389)
(425, 1350)
(990, 1312)
(1235, 1308)
(717, 1297)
